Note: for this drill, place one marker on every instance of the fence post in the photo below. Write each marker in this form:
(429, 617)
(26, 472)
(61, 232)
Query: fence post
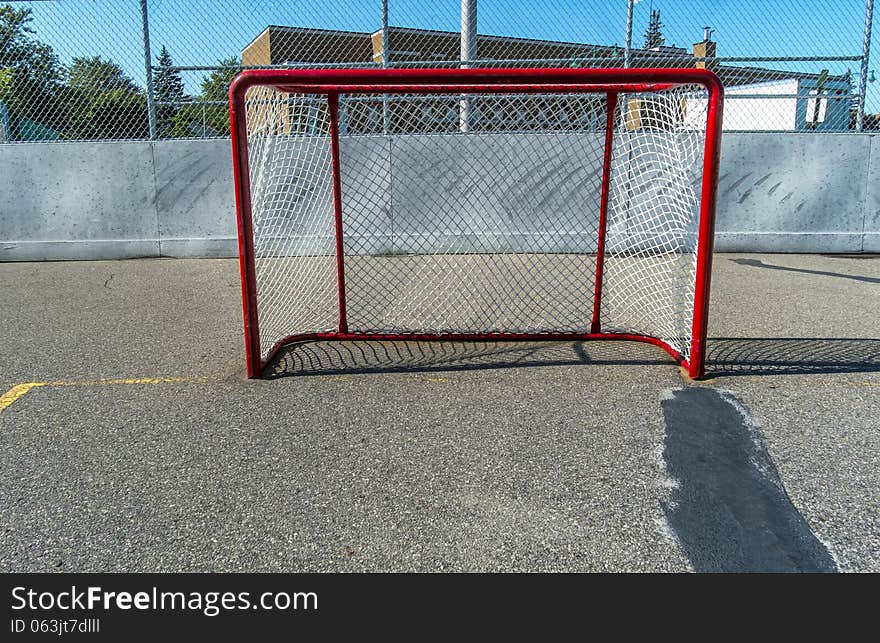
(148, 67)
(386, 110)
(863, 75)
(468, 53)
(627, 51)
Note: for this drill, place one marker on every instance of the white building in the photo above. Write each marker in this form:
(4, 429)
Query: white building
(788, 104)
(781, 105)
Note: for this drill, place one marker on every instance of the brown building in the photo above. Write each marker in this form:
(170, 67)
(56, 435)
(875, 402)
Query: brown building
(279, 45)
(282, 46)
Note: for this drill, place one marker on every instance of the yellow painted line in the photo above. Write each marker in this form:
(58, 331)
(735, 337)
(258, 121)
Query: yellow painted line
(19, 390)
(131, 381)
(16, 392)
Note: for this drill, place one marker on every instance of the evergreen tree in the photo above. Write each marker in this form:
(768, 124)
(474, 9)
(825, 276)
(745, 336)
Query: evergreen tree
(216, 85)
(168, 92)
(654, 34)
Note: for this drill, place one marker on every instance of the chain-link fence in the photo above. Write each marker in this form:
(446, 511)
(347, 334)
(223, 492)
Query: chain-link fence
(138, 69)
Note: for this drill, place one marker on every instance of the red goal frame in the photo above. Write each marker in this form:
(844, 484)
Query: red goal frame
(612, 82)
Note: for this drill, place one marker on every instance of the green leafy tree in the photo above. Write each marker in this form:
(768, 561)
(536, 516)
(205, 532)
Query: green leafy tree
(115, 114)
(654, 34)
(94, 75)
(31, 78)
(168, 90)
(209, 114)
(105, 103)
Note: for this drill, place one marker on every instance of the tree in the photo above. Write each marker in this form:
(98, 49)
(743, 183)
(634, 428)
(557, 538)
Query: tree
(94, 75)
(209, 114)
(105, 103)
(215, 88)
(168, 91)
(31, 78)
(114, 114)
(216, 85)
(654, 34)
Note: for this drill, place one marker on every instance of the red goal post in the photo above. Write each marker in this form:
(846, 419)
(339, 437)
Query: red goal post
(632, 262)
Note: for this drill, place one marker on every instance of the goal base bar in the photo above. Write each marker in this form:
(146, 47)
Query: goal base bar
(255, 369)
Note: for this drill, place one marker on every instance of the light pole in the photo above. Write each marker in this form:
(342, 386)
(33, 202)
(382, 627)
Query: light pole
(866, 54)
(386, 111)
(148, 65)
(627, 51)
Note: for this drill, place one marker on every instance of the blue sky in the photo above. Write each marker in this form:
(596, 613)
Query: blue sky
(199, 32)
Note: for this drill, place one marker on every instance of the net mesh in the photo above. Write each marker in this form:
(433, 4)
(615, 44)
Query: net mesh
(476, 214)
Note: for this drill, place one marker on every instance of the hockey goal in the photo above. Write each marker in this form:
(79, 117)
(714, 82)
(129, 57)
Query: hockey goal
(476, 204)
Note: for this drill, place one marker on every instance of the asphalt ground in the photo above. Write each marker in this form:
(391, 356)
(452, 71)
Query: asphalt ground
(140, 447)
